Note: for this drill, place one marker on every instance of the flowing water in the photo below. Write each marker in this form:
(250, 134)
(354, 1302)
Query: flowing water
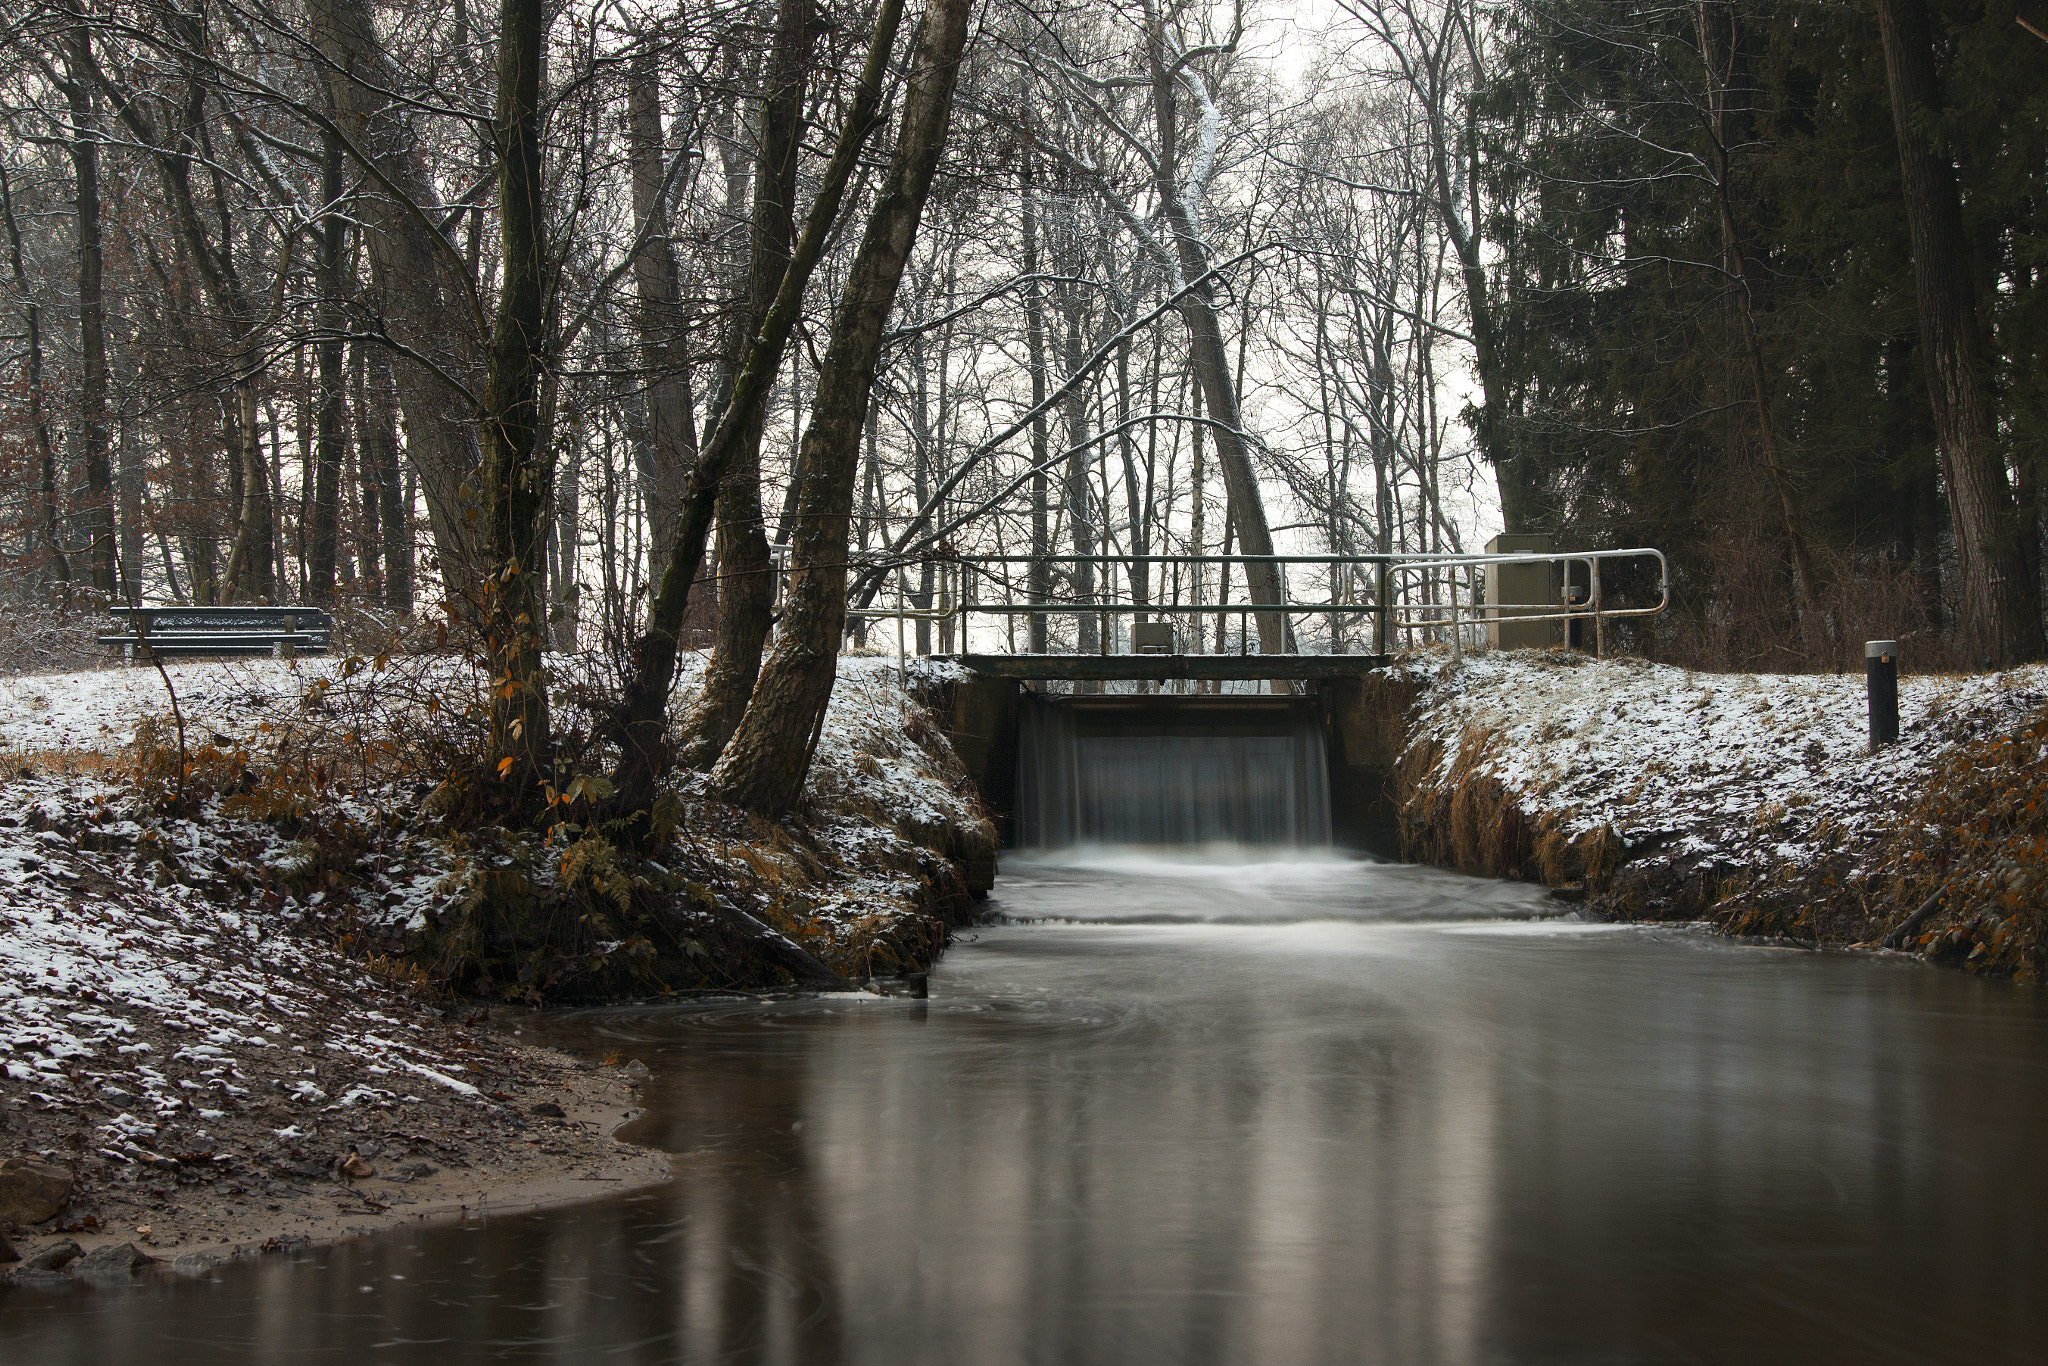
(1200, 1108)
(1171, 771)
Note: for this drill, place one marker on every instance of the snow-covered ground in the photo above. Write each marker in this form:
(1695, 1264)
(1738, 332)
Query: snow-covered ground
(113, 914)
(174, 1004)
(198, 1059)
(120, 924)
(95, 711)
(1714, 771)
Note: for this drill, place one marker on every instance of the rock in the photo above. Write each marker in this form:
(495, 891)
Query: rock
(417, 1170)
(369, 1150)
(547, 1109)
(55, 1257)
(355, 1168)
(31, 1191)
(114, 1259)
(194, 1264)
(635, 1070)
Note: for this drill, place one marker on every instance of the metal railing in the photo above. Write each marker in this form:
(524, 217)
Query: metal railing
(1407, 599)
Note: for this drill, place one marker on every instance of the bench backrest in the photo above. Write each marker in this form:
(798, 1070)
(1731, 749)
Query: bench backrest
(175, 619)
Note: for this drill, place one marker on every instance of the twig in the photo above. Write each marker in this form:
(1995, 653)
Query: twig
(177, 715)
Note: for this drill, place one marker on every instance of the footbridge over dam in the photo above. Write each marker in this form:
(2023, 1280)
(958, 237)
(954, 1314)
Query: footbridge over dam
(1173, 700)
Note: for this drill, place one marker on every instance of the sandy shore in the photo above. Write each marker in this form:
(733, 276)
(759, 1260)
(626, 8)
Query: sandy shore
(428, 1166)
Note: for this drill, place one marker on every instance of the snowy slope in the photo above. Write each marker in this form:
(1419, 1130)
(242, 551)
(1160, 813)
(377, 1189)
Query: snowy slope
(1715, 770)
(117, 925)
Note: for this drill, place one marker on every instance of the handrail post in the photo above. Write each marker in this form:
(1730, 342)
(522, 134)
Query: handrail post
(1457, 627)
(1383, 623)
(1599, 626)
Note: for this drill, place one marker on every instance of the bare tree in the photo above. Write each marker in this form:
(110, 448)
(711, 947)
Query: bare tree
(763, 767)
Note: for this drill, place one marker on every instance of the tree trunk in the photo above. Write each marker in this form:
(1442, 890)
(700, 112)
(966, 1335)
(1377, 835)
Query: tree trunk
(1038, 586)
(1136, 500)
(129, 482)
(327, 404)
(377, 451)
(565, 616)
(664, 350)
(92, 315)
(2001, 604)
(643, 710)
(746, 578)
(763, 767)
(38, 410)
(191, 480)
(514, 484)
(1080, 506)
(253, 554)
(1207, 354)
(421, 294)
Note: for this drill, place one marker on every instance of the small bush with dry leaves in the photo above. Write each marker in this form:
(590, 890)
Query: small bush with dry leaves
(1976, 839)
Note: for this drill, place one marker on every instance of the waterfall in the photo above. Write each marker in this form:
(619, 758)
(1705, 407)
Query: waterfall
(1170, 770)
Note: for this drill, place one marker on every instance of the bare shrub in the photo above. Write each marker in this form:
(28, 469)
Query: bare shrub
(1738, 617)
(47, 637)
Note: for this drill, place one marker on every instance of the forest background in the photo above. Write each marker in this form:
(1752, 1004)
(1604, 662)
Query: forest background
(1757, 284)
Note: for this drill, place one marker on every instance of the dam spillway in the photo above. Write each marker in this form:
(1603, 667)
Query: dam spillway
(1170, 770)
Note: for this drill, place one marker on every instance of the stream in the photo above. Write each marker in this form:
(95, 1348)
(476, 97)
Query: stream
(1208, 1108)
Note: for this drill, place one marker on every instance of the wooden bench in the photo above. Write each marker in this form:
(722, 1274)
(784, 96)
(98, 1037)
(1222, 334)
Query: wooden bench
(285, 632)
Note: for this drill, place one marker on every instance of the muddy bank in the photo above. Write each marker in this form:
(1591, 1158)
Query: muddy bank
(1750, 802)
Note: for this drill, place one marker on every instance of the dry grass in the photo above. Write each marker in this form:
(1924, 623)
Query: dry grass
(1464, 818)
(1461, 817)
(1971, 849)
(63, 763)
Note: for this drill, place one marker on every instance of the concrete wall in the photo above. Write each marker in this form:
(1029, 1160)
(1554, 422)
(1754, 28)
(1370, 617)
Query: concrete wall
(1365, 724)
(979, 717)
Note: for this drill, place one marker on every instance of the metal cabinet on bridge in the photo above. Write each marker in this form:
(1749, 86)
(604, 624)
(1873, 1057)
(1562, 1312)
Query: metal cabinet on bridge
(1521, 590)
(285, 632)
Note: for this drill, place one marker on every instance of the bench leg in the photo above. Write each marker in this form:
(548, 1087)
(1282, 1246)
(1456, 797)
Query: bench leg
(287, 649)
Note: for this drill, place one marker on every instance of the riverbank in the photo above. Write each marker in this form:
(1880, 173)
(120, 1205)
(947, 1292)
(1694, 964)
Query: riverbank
(252, 997)
(185, 1069)
(1750, 802)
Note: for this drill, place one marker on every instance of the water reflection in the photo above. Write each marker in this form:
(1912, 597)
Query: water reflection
(1306, 1141)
